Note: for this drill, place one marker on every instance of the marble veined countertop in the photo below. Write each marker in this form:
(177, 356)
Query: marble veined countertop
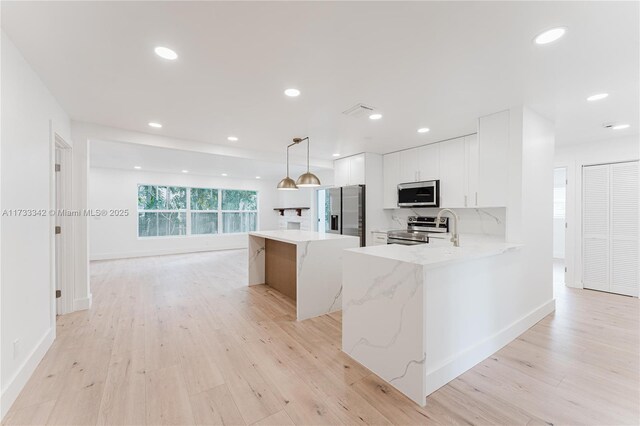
(295, 236)
(441, 252)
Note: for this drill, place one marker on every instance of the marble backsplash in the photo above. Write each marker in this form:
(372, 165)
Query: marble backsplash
(485, 221)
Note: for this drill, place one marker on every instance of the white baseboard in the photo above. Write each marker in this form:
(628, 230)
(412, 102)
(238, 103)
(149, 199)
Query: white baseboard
(82, 304)
(162, 252)
(19, 380)
(441, 375)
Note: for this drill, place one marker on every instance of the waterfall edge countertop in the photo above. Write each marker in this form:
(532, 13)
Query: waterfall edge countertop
(295, 236)
(303, 265)
(440, 252)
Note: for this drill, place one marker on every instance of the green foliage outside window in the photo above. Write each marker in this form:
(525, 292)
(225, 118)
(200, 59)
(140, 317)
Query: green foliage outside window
(164, 211)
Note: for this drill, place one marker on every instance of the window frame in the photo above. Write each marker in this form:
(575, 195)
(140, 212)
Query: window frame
(188, 211)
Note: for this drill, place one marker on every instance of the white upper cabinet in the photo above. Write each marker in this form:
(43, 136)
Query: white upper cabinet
(341, 172)
(473, 170)
(391, 175)
(409, 165)
(429, 162)
(349, 171)
(452, 173)
(356, 169)
(493, 136)
(471, 159)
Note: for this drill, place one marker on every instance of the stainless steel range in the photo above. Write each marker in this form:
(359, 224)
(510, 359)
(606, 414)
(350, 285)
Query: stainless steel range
(419, 228)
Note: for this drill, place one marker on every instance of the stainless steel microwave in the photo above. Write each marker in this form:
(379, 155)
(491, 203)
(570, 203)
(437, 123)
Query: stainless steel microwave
(419, 194)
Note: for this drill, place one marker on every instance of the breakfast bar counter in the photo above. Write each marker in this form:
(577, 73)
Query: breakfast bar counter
(303, 265)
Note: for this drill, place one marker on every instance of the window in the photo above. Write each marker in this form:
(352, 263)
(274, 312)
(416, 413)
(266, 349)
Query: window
(161, 211)
(204, 211)
(168, 211)
(239, 211)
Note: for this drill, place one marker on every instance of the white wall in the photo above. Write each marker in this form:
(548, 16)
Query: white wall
(573, 157)
(559, 231)
(29, 115)
(116, 237)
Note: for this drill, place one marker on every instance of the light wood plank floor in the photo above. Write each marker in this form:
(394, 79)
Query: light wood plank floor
(180, 340)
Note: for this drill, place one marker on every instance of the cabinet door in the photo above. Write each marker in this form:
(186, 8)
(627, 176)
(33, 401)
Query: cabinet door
(429, 162)
(471, 170)
(341, 172)
(452, 173)
(356, 170)
(391, 176)
(493, 134)
(409, 163)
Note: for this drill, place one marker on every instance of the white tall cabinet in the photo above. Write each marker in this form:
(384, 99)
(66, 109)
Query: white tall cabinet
(610, 252)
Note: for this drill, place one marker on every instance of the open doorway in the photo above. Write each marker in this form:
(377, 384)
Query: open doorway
(323, 210)
(559, 225)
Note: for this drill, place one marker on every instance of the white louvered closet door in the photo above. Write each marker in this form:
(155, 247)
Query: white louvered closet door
(610, 252)
(595, 227)
(624, 228)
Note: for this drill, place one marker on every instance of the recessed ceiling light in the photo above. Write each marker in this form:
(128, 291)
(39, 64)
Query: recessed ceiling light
(166, 53)
(550, 36)
(620, 126)
(232, 138)
(423, 130)
(375, 116)
(156, 125)
(292, 93)
(336, 155)
(137, 167)
(597, 97)
(224, 174)
(185, 171)
(257, 177)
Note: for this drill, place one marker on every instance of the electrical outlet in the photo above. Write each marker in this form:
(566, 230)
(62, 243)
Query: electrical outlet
(16, 348)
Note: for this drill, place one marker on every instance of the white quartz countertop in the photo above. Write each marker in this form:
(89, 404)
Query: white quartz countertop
(441, 252)
(295, 236)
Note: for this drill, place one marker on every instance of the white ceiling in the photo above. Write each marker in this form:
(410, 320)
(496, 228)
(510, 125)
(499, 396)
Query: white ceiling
(422, 64)
(125, 156)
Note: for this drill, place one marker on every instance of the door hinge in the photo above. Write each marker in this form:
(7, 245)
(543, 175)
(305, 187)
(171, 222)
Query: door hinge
(57, 167)
(565, 269)
(58, 230)
(566, 225)
(58, 294)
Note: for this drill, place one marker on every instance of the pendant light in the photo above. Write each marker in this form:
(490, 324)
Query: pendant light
(305, 180)
(308, 179)
(287, 184)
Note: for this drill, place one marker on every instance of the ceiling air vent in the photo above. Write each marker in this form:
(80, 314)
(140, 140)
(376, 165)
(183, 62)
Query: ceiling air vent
(359, 110)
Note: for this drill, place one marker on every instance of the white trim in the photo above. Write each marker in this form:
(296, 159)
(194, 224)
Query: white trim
(83, 304)
(463, 361)
(19, 380)
(162, 252)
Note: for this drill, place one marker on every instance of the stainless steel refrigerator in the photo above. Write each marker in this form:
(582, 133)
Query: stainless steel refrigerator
(346, 207)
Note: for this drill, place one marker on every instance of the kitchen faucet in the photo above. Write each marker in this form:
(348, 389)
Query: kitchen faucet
(455, 238)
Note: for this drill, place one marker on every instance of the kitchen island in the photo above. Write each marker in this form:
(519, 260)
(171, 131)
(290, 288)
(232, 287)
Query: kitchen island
(303, 265)
(419, 316)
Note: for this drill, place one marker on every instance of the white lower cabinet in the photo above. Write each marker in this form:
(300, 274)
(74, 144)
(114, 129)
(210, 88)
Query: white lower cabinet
(379, 238)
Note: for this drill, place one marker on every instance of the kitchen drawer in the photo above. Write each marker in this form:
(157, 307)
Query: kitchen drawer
(379, 238)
